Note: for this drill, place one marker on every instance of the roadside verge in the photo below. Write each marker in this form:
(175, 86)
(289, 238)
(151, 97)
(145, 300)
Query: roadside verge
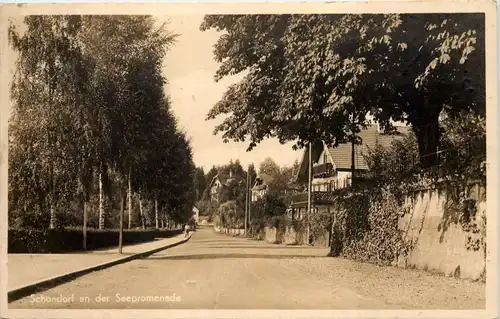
(44, 284)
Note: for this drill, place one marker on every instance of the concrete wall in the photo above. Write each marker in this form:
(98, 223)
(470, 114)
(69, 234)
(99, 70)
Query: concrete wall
(441, 243)
(289, 236)
(270, 234)
(230, 231)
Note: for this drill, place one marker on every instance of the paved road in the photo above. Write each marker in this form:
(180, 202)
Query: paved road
(215, 271)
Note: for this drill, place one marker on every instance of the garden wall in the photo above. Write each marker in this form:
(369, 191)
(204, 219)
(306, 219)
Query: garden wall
(441, 241)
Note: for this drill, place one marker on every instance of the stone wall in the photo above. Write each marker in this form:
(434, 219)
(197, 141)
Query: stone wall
(441, 243)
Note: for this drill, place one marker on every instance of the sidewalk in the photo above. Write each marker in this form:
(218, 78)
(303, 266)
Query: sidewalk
(25, 269)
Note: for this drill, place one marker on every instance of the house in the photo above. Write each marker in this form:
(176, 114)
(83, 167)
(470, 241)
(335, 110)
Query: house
(215, 185)
(196, 214)
(218, 182)
(261, 186)
(332, 168)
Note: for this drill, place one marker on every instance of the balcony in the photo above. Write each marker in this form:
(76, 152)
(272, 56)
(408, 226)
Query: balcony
(316, 197)
(323, 170)
(322, 196)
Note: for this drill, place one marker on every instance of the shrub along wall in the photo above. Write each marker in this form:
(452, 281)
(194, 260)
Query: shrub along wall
(427, 228)
(67, 240)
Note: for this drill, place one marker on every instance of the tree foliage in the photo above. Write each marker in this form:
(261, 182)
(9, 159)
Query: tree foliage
(83, 108)
(317, 77)
(269, 167)
(200, 182)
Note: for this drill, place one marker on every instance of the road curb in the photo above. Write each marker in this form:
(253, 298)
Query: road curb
(44, 284)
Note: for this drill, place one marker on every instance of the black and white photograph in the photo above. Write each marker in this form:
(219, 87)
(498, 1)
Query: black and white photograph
(293, 157)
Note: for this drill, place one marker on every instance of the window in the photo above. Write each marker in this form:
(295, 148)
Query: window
(325, 158)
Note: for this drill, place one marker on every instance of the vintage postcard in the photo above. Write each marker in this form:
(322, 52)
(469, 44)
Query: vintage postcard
(230, 160)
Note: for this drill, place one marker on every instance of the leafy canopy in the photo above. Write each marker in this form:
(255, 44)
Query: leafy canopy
(317, 77)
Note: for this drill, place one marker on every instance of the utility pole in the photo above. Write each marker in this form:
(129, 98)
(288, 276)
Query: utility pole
(249, 192)
(309, 192)
(246, 202)
(353, 149)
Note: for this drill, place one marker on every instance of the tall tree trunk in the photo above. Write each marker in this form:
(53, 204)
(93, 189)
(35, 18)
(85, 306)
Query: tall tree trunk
(129, 199)
(141, 212)
(53, 217)
(157, 224)
(53, 220)
(85, 220)
(428, 138)
(122, 208)
(101, 201)
(425, 125)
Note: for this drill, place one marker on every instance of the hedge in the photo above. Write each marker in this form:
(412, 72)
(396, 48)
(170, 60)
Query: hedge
(69, 240)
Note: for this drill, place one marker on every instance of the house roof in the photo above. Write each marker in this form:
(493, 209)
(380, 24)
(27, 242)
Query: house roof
(341, 155)
(216, 177)
(262, 180)
(371, 138)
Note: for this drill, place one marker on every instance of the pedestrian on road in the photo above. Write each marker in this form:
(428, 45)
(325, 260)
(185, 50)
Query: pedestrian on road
(186, 230)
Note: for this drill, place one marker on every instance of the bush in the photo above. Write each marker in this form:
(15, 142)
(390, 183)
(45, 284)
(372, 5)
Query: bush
(231, 215)
(67, 240)
(366, 226)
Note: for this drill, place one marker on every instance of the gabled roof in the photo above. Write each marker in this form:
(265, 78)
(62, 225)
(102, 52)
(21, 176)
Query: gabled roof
(216, 177)
(341, 155)
(262, 180)
(371, 138)
(223, 177)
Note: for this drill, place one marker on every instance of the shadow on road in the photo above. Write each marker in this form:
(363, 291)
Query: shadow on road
(218, 241)
(230, 256)
(260, 247)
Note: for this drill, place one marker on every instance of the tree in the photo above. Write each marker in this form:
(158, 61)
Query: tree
(269, 167)
(200, 182)
(317, 77)
(45, 154)
(95, 109)
(270, 205)
(252, 172)
(127, 87)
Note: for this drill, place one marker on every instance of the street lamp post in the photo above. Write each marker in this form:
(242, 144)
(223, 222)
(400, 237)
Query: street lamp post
(247, 200)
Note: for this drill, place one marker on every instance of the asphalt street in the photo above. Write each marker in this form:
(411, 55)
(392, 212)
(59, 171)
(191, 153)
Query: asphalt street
(214, 271)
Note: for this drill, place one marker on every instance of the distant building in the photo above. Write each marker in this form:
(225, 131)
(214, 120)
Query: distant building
(261, 186)
(218, 182)
(196, 214)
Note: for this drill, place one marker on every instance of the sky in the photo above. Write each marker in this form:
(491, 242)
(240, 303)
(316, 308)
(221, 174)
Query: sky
(189, 68)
